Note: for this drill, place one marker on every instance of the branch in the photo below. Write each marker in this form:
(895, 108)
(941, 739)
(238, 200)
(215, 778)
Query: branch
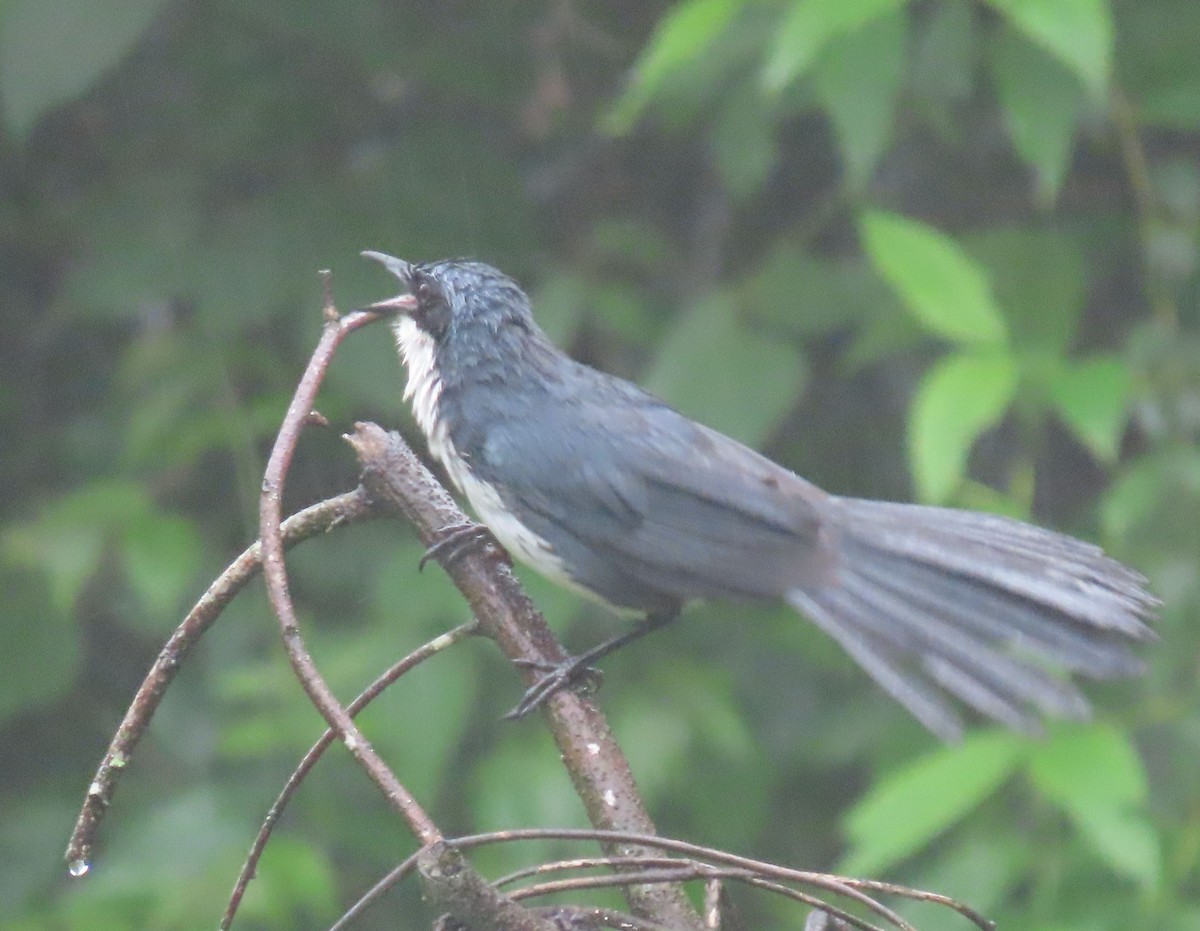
(698, 863)
(447, 876)
(368, 695)
(349, 508)
(596, 764)
(275, 576)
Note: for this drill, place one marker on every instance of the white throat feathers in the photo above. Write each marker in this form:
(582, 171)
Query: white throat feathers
(424, 387)
(424, 390)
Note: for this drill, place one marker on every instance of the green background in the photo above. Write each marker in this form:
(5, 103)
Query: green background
(940, 250)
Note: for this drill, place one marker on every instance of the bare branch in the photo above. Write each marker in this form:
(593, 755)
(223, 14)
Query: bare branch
(841, 885)
(352, 507)
(275, 575)
(448, 878)
(701, 864)
(368, 695)
(596, 764)
(450, 882)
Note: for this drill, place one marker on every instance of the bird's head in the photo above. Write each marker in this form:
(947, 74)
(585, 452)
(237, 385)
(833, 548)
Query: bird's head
(457, 301)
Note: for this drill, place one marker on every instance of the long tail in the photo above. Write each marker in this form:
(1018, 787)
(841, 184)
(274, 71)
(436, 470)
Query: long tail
(931, 601)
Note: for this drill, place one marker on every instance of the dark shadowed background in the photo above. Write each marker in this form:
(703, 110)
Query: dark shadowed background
(940, 250)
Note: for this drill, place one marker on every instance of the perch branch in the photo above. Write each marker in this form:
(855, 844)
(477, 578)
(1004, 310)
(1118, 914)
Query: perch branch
(448, 879)
(368, 695)
(596, 764)
(352, 507)
(275, 576)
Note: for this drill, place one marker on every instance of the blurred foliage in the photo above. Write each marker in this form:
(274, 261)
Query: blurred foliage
(951, 240)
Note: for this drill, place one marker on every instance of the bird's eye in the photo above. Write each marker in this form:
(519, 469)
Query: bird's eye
(432, 313)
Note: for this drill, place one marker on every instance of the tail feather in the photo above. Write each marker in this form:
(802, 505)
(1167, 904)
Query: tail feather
(1051, 569)
(996, 616)
(940, 640)
(933, 601)
(923, 703)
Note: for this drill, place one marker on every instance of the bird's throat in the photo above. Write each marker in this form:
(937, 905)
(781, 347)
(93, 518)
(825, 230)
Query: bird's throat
(424, 387)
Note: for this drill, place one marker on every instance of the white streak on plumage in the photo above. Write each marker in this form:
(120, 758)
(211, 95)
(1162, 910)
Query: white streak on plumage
(424, 390)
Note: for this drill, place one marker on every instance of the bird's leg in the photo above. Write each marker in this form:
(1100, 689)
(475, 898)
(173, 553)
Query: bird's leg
(456, 540)
(576, 670)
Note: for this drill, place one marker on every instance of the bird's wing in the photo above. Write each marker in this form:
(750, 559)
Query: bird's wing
(655, 498)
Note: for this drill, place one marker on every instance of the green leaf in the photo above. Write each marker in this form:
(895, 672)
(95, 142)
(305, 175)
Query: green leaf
(1093, 398)
(67, 539)
(941, 285)
(857, 80)
(1038, 277)
(1042, 101)
(806, 295)
(1127, 842)
(743, 139)
(52, 51)
(1096, 776)
(726, 376)
(41, 646)
(1089, 767)
(982, 867)
(908, 808)
(682, 35)
(161, 555)
(808, 27)
(959, 397)
(1078, 32)
(160, 552)
(1149, 493)
(944, 60)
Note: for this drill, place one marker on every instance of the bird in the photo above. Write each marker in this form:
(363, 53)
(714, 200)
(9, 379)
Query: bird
(605, 488)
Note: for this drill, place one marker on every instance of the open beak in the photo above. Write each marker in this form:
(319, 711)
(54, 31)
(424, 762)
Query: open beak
(402, 303)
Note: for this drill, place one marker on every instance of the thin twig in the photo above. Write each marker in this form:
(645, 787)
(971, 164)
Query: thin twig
(669, 869)
(585, 918)
(374, 690)
(275, 576)
(448, 880)
(352, 507)
(842, 885)
(744, 869)
(688, 871)
(699, 870)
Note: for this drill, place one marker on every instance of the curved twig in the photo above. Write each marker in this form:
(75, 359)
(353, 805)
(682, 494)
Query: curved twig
(759, 873)
(447, 878)
(368, 695)
(275, 576)
(348, 508)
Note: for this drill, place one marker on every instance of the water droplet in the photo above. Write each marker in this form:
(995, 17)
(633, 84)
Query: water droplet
(78, 867)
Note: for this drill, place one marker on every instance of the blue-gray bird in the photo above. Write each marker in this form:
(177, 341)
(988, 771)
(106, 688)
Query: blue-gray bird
(605, 488)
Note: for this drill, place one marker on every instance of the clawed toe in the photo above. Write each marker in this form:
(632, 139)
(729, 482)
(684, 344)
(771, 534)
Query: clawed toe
(571, 673)
(456, 540)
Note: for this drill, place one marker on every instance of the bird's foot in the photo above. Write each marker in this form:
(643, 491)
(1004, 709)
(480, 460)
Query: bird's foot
(458, 539)
(573, 672)
(578, 671)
